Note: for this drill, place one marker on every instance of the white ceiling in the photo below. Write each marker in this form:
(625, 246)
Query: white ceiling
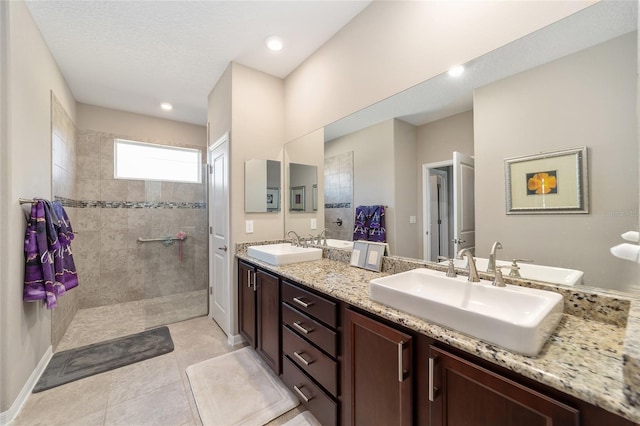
(133, 55)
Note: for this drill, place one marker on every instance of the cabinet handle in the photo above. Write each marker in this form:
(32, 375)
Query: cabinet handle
(302, 360)
(400, 366)
(302, 395)
(432, 389)
(302, 302)
(254, 281)
(248, 278)
(299, 326)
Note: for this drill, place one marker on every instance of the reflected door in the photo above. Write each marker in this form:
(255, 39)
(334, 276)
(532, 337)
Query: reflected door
(464, 228)
(219, 285)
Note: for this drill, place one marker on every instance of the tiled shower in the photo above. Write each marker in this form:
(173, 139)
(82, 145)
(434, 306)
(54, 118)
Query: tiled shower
(110, 215)
(338, 196)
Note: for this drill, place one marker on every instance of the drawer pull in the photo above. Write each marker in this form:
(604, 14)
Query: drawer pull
(302, 303)
(248, 278)
(301, 358)
(302, 395)
(299, 326)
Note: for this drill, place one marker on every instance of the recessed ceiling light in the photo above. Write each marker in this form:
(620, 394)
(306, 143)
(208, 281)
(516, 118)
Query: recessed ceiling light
(456, 71)
(166, 106)
(274, 43)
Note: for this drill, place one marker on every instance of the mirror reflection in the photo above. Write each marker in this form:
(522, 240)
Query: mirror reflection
(527, 98)
(262, 186)
(303, 188)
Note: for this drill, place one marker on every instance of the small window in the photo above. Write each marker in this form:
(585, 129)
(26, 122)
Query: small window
(137, 160)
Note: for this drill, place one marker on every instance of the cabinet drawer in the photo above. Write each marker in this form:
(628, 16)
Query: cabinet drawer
(320, 404)
(321, 336)
(315, 306)
(316, 364)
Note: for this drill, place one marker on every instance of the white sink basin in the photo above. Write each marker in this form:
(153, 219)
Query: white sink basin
(284, 254)
(340, 243)
(532, 271)
(517, 318)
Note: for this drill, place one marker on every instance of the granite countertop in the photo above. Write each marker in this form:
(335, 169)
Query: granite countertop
(583, 357)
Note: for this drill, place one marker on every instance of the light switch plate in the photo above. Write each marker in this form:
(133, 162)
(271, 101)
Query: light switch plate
(248, 226)
(314, 223)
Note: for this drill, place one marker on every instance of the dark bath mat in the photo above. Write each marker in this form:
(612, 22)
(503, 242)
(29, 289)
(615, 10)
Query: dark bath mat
(75, 364)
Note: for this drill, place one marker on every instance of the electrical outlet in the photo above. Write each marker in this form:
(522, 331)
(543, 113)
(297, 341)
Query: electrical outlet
(412, 219)
(314, 223)
(248, 226)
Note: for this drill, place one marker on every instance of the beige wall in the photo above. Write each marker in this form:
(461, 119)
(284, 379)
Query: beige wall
(391, 46)
(435, 142)
(256, 133)
(407, 238)
(587, 98)
(25, 328)
(305, 150)
(139, 126)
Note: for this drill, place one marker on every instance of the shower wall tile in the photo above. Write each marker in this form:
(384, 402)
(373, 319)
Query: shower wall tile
(88, 189)
(120, 268)
(88, 167)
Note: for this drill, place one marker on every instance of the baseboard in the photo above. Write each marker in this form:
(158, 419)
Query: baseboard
(6, 417)
(234, 339)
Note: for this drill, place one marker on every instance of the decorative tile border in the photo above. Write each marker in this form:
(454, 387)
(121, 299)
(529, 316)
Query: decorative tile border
(337, 205)
(84, 204)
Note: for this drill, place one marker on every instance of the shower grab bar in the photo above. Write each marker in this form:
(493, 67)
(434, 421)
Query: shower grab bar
(166, 240)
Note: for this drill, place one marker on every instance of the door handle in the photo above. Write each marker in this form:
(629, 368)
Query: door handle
(223, 248)
(432, 389)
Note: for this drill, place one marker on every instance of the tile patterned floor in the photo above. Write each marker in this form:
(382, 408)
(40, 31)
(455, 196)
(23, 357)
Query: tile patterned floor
(151, 392)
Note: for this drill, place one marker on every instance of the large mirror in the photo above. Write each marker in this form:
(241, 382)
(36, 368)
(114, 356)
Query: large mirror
(569, 85)
(262, 186)
(303, 188)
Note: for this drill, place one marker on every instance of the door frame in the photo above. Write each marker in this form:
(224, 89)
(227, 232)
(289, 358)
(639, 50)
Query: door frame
(426, 197)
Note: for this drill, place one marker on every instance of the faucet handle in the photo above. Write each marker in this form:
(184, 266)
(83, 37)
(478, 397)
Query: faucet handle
(515, 268)
(498, 281)
(451, 270)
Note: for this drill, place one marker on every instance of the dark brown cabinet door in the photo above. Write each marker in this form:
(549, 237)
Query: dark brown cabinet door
(377, 373)
(247, 302)
(268, 292)
(463, 393)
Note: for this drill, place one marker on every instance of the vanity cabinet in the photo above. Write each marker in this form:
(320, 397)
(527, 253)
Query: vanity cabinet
(463, 393)
(259, 312)
(377, 374)
(310, 350)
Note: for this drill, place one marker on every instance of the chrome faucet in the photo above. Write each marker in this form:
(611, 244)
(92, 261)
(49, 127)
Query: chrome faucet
(473, 272)
(491, 267)
(323, 234)
(295, 241)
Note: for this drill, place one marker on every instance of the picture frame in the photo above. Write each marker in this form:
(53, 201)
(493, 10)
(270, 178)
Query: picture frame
(297, 200)
(273, 199)
(548, 183)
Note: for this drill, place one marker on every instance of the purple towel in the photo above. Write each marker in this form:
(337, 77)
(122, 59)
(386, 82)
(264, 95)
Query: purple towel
(369, 224)
(49, 267)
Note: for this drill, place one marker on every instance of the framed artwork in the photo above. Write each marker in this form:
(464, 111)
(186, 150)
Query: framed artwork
(273, 199)
(547, 183)
(297, 199)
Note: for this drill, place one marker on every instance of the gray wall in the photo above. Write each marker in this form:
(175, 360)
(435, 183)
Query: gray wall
(588, 98)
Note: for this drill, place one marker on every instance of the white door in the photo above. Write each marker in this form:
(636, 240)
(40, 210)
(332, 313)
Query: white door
(464, 222)
(219, 276)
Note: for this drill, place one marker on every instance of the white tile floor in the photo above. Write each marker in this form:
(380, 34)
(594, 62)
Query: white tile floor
(151, 392)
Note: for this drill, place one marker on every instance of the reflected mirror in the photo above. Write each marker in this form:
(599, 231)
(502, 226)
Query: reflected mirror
(303, 188)
(530, 97)
(261, 186)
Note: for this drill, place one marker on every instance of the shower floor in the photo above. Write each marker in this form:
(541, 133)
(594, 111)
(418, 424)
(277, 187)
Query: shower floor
(88, 325)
